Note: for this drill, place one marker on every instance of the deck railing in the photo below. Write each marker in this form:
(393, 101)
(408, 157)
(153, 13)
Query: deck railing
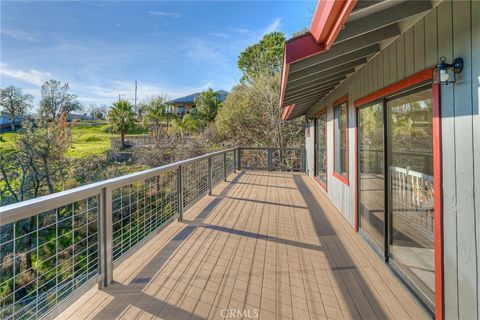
(272, 159)
(56, 247)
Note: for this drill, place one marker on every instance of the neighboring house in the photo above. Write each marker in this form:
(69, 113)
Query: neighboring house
(184, 105)
(6, 121)
(75, 116)
(392, 144)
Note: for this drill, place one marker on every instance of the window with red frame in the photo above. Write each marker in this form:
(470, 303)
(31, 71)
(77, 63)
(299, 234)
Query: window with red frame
(340, 139)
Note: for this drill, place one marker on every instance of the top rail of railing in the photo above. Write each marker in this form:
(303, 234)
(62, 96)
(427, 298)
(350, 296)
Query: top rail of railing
(20, 210)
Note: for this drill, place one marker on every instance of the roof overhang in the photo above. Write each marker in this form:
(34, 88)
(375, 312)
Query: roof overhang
(343, 36)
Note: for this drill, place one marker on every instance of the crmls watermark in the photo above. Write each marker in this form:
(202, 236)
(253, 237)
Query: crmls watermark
(237, 313)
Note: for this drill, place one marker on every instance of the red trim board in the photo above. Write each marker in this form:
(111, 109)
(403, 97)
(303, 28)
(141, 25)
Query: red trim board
(417, 78)
(320, 183)
(286, 111)
(328, 20)
(344, 179)
(355, 172)
(438, 201)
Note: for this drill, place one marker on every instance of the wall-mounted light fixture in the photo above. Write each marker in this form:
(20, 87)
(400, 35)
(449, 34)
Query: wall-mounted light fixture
(447, 73)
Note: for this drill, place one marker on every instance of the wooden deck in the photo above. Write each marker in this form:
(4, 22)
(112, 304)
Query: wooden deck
(266, 244)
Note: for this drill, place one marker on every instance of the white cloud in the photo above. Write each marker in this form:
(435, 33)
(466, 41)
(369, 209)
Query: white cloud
(200, 50)
(164, 14)
(18, 35)
(223, 35)
(31, 76)
(274, 26)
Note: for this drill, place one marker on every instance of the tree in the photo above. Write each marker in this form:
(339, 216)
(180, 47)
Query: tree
(250, 115)
(207, 104)
(264, 57)
(122, 118)
(99, 112)
(37, 165)
(186, 125)
(154, 114)
(56, 100)
(13, 101)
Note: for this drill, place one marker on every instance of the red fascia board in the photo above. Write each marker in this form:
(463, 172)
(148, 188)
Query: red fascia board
(286, 111)
(284, 80)
(301, 47)
(329, 18)
(327, 22)
(297, 49)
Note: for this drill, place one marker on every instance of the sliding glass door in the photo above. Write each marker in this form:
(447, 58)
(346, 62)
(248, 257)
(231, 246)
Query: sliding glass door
(321, 149)
(395, 185)
(371, 173)
(411, 188)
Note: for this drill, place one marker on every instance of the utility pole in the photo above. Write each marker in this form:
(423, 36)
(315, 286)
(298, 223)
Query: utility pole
(135, 94)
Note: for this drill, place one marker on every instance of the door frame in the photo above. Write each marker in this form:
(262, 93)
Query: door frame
(423, 77)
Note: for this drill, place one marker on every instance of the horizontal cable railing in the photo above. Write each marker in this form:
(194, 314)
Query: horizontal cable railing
(53, 248)
(272, 159)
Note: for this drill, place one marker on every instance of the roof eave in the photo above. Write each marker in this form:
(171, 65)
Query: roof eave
(329, 17)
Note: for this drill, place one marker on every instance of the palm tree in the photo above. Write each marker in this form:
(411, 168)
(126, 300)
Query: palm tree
(185, 125)
(122, 118)
(207, 104)
(156, 113)
(153, 117)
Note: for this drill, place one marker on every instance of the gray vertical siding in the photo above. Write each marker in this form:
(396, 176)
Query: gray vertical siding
(475, 19)
(452, 29)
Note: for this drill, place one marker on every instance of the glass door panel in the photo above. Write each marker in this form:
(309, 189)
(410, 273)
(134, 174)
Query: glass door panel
(321, 148)
(411, 189)
(371, 173)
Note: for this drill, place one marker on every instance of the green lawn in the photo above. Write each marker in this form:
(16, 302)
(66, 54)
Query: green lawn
(6, 141)
(90, 138)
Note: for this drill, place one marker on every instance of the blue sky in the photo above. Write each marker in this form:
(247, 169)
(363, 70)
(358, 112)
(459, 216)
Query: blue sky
(101, 48)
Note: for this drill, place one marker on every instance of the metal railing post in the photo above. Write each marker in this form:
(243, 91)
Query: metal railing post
(235, 161)
(303, 164)
(106, 238)
(239, 158)
(209, 175)
(180, 193)
(225, 166)
(269, 159)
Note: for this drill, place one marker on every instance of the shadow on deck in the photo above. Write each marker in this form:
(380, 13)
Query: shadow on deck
(264, 245)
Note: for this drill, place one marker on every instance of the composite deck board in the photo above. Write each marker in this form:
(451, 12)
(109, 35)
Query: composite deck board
(264, 242)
